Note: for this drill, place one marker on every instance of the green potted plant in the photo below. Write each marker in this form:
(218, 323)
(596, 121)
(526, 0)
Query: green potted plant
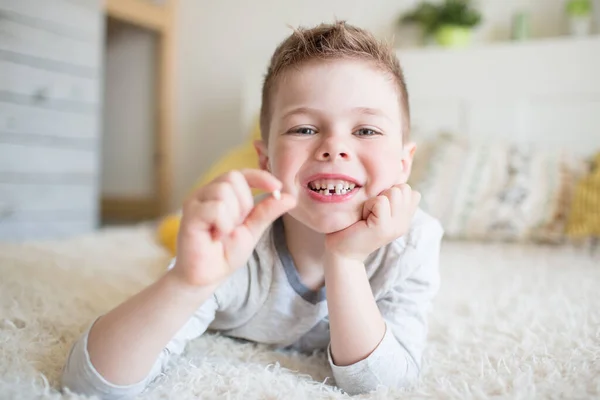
(450, 23)
(579, 13)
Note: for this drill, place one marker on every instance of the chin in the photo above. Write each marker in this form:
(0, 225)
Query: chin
(330, 223)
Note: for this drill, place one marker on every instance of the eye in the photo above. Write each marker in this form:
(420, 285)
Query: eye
(366, 132)
(303, 130)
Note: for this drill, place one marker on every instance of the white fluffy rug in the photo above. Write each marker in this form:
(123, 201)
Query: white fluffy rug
(511, 322)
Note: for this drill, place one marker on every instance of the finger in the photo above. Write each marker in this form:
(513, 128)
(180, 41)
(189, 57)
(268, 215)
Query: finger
(260, 179)
(242, 192)
(396, 198)
(222, 191)
(212, 214)
(224, 224)
(267, 211)
(410, 196)
(406, 191)
(380, 212)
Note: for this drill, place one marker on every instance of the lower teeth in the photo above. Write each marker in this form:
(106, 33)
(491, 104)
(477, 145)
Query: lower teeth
(326, 192)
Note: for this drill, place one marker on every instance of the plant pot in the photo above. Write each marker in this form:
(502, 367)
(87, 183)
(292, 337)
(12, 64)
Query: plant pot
(453, 36)
(596, 12)
(580, 25)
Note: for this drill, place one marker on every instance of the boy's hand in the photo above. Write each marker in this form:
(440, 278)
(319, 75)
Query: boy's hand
(385, 218)
(220, 225)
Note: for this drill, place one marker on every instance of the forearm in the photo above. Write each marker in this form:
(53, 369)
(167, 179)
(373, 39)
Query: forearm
(356, 324)
(124, 344)
(388, 365)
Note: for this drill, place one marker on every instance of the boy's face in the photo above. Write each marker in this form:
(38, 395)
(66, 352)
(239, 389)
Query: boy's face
(335, 140)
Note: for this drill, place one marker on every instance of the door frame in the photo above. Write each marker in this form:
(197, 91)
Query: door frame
(159, 18)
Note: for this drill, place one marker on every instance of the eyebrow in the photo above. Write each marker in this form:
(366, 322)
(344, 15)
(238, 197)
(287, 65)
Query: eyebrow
(360, 110)
(301, 110)
(370, 111)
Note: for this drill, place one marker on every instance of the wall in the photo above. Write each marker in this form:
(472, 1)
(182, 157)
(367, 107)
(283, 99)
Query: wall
(452, 92)
(218, 39)
(50, 74)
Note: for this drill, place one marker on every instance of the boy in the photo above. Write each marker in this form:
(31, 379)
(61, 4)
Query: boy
(339, 258)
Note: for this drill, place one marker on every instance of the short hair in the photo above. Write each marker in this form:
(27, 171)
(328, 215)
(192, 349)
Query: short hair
(332, 42)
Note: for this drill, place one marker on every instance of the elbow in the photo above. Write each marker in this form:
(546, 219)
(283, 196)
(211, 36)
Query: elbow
(403, 380)
(407, 380)
(73, 377)
(391, 379)
(71, 380)
(73, 383)
(80, 377)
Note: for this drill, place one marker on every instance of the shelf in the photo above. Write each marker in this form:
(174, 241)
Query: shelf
(139, 12)
(534, 43)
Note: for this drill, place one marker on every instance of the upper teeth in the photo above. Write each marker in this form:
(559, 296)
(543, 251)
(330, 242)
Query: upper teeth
(325, 186)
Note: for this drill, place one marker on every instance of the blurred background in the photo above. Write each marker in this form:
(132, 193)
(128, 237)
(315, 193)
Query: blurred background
(111, 111)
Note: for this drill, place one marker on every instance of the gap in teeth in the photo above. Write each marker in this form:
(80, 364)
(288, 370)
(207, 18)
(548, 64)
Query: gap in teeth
(330, 187)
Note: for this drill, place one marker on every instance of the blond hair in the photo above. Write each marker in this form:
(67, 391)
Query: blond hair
(330, 42)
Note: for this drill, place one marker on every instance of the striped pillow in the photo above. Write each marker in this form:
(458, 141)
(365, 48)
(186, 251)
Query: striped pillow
(496, 191)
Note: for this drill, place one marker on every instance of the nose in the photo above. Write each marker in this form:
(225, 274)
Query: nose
(332, 149)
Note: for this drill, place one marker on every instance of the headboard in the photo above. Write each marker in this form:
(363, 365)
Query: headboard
(544, 91)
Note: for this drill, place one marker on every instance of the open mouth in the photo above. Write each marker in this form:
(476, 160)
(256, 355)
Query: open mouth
(332, 187)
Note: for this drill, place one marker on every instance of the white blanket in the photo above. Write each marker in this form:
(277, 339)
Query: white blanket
(510, 322)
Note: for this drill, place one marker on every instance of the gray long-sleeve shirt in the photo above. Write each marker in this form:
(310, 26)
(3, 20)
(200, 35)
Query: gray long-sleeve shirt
(266, 302)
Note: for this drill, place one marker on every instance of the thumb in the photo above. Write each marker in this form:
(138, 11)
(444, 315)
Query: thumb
(267, 211)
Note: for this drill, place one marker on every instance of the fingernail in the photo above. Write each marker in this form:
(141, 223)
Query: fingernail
(276, 194)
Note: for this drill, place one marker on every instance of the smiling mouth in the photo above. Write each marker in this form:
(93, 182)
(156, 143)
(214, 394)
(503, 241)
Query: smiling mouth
(332, 187)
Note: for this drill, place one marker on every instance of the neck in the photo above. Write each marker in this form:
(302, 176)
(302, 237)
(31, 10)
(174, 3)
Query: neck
(307, 248)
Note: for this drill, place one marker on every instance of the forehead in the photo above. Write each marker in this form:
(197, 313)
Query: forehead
(337, 85)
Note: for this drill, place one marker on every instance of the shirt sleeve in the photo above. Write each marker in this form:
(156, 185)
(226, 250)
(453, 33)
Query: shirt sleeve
(80, 376)
(396, 361)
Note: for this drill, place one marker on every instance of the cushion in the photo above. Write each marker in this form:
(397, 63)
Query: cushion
(497, 191)
(243, 156)
(240, 157)
(584, 218)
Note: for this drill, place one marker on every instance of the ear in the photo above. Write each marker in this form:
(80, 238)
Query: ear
(408, 154)
(263, 158)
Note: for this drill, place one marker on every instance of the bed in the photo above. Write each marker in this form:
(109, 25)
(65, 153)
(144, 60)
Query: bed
(512, 320)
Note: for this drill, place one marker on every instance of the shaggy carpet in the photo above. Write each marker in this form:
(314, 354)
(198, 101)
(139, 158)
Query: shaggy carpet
(510, 322)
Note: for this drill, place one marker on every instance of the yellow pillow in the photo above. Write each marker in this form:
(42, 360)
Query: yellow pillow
(584, 218)
(167, 232)
(240, 157)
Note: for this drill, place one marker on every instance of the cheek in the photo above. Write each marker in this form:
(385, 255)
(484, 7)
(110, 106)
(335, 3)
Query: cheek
(286, 161)
(384, 171)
